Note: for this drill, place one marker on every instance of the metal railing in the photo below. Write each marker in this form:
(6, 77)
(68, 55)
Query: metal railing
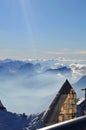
(74, 124)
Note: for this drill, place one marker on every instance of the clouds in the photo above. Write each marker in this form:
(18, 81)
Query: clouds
(81, 52)
(57, 53)
(65, 59)
(67, 51)
(78, 69)
(69, 54)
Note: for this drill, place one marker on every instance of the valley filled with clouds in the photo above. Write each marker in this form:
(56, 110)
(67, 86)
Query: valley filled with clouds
(27, 86)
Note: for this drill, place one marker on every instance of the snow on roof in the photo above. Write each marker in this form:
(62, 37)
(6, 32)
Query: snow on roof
(80, 101)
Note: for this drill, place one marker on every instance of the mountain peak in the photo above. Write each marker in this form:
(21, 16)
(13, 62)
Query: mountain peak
(1, 106)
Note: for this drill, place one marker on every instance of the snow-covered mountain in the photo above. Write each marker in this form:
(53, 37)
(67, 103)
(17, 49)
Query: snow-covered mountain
(81, 82)
(13, 121)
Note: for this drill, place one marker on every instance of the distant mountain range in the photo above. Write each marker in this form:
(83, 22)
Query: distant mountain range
(9, 67)
(62, 70)
(14, 67)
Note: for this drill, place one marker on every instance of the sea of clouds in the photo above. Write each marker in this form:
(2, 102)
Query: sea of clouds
(30, 88)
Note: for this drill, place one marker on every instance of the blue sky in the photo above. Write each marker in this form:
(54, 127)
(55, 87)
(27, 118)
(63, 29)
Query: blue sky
(43, 29)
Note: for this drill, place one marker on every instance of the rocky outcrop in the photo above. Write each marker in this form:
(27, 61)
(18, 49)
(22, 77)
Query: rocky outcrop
(1, 106)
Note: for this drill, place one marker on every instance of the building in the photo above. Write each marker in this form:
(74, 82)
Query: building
(63, 107)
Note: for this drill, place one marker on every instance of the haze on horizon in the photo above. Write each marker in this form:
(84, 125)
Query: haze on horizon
(43, 29)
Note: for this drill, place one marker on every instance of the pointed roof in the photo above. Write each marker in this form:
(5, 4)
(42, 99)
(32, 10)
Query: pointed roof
(65, 89)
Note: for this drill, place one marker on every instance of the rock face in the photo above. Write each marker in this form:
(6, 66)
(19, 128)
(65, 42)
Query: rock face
(1, 106)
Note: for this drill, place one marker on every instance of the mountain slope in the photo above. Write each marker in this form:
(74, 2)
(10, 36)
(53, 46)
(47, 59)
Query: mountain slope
(12, 121)
(81, 82)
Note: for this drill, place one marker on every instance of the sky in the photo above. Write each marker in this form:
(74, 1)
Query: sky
(43, 29)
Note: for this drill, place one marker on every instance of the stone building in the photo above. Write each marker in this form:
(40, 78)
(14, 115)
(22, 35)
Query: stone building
(63, 107)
